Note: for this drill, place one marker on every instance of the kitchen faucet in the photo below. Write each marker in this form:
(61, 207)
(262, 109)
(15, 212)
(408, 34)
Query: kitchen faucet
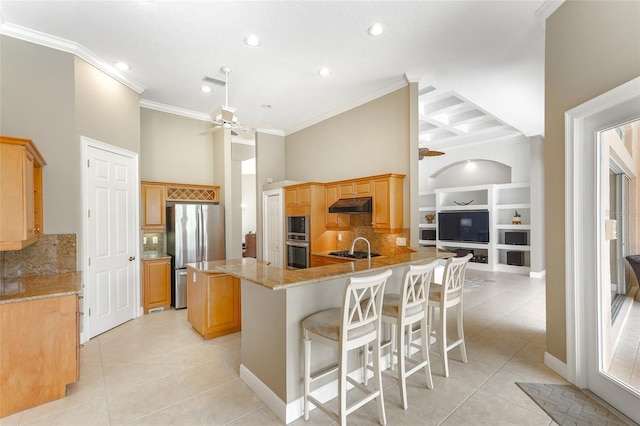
(353, 244)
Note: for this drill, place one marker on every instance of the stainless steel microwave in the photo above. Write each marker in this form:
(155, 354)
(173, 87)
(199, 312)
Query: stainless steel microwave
(298, 228)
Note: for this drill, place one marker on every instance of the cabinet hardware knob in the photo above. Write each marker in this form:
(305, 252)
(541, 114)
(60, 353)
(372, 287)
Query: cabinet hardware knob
(132, 258)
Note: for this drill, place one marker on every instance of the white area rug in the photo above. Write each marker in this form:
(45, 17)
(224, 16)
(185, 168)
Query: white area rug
(473, 284)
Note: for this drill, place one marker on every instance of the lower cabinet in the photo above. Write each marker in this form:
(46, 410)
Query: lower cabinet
(156, 284)
(39, 353)
(324, 260)
(213, 303)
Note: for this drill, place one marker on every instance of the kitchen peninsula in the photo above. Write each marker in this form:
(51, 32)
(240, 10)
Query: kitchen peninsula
(275, 301)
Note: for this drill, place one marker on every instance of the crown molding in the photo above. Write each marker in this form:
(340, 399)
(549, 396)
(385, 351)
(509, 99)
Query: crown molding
(370, 97)
(547, 8)
(64, 45)
(275, 132)
(174, 110)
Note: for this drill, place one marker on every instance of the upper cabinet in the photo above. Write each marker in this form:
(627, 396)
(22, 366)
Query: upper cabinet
(21, 215)
(387, 203)
(156, 194)
(153, 206)
(355, 188)
(300, 199)
(335, 221)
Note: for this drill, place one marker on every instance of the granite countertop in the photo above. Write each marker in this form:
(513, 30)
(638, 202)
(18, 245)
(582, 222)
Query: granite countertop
(153, 255)
(262, 273)
(39, 287)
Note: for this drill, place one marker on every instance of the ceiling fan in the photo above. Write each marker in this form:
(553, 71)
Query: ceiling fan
(426, 152)
(223, 117)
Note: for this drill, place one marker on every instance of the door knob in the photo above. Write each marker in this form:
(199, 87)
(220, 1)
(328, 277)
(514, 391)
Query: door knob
(132, 258)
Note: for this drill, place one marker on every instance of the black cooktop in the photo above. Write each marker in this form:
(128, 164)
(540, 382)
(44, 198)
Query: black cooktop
(355, 255)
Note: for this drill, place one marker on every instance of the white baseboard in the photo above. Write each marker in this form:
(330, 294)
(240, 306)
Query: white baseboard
(540, 274)
(555, 364)
(265, 394)
(294, 410)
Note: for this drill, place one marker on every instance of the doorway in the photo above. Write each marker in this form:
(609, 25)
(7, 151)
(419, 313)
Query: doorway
(110, 244)
(589, 232)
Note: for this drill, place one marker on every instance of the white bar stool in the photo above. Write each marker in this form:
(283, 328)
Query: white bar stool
(445, 296)
(355, 325)
(401, 312)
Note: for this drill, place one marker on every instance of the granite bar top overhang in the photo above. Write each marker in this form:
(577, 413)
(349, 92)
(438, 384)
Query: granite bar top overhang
(39, 287)
(274, 278)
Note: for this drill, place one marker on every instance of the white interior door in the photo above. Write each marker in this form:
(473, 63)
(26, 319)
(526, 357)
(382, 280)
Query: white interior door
(111, 238)
(273, 248)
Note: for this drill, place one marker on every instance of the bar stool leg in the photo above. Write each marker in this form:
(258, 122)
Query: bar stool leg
(378, 381)
(443, 342)
(402, 368)
(463, 348)
(307, 373)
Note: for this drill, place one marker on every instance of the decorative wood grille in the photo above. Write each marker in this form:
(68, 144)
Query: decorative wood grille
(185, 193)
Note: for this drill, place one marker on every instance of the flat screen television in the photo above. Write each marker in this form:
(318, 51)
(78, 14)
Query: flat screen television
(470, 226)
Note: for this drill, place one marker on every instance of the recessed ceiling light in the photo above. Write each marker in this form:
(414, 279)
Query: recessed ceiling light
(375, 29)
(324, 71)
(206, 89)
(122, 66)
(267, 106)
(252, 40)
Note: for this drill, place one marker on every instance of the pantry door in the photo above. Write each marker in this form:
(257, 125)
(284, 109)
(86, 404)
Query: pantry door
(111, 243)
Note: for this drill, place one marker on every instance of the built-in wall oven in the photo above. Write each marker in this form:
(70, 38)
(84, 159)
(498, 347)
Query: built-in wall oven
(298, 246)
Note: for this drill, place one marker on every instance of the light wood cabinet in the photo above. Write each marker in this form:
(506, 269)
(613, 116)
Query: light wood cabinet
(21, 214)
(355, 188)
(156, 194)
(153, 206)
(213, 303)
(323, 260)
(298, 196)
(156, 284)
(387, 204)
(335, 221)
(39, 351)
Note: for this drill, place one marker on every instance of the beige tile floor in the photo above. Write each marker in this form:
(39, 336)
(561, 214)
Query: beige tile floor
(626, 359)
(156, 370)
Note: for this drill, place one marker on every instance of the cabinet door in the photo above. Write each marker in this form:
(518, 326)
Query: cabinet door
(387, 204)
(223, 305)
(157, 287)
(346, 190)
(380, 216)
(334, 220)
(291, 197)
(195, 299)
(29, 196)
(153, 202)
(304, 196)
(362, 188)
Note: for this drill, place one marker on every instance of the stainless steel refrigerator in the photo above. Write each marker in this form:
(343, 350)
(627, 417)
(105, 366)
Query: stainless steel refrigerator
(195, 233)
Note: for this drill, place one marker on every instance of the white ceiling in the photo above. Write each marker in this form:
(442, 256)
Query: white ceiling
(490, 54)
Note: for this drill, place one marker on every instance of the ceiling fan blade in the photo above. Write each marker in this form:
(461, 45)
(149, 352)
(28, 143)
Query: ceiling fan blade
(214, 81)
(210, 130)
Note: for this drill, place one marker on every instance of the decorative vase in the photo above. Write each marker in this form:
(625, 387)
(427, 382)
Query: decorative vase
(516, 220)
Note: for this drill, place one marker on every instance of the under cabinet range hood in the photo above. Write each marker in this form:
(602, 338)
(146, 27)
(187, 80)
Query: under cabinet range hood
(351, 205)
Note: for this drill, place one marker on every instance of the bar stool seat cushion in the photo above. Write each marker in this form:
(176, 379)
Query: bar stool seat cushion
(391, 307)
(327, 324)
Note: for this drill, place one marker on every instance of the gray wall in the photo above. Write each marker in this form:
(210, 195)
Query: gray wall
(172, 149)
(591, 48)
(52, 98)
(370, 139)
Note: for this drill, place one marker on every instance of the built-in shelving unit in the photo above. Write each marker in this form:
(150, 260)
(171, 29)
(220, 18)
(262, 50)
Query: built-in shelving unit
(508, 249)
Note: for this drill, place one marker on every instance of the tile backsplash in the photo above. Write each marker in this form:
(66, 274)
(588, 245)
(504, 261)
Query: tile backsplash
(51, 254)
(384, 244)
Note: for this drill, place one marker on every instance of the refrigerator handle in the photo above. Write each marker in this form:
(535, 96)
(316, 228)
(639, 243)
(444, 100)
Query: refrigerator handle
(198, 235)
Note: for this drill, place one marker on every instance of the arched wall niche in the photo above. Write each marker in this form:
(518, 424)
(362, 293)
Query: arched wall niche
(471, 173)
